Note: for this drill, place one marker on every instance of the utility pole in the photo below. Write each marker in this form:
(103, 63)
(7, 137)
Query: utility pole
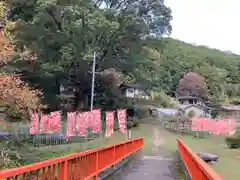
(93, 79)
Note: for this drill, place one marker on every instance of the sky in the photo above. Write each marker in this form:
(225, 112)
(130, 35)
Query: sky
(213, 23)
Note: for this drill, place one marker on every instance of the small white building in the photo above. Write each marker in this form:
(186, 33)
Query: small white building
(135, 91)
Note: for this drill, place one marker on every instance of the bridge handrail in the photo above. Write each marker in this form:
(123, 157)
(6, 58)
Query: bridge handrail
(195, 166)
(82, 165)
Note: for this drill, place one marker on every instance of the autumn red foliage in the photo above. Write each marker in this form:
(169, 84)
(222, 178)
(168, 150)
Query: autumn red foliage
(17, 95)
(192, 84)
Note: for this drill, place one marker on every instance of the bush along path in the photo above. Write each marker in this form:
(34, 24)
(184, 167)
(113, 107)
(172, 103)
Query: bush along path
(158, 165)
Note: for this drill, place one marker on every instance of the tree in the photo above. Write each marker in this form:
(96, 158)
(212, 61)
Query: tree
(107, 91)
(64, 34)
(108, 27)
(192, 84)
(15, 95)
(18, 97)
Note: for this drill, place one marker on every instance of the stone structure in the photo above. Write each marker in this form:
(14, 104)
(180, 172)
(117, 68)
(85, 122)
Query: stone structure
(193, 106)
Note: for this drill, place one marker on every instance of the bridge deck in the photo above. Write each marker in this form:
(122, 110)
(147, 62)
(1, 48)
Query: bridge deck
(147, 167)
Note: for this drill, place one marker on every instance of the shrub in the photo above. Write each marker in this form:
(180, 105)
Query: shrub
(9, 148)
(129, 124)
(164, 100)
(233, 142)
(142, 112)
(8, 158)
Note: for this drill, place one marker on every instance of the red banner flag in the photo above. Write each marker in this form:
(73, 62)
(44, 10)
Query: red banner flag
(44, 124)
(216, 127)
(109, 123)
(96, 121)
(196, 124)
(212, 127)
(204, 124)
(34, 123)
(121, 114)
(88, 119)
(81, 123)
(70, 124)
(222, 127)
(55, 121)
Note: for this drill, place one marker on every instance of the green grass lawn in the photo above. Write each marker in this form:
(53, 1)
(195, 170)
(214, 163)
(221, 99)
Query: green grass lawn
(229, 159)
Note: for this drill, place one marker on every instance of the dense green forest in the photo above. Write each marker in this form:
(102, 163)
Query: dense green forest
(176, 58)
(54, 42)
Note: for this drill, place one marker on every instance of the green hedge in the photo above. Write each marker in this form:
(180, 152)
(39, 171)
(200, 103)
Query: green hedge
(233, 142)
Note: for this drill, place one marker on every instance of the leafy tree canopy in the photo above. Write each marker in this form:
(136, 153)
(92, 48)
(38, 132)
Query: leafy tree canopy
(61, 32)
(192, 84)
(60, 37)
(174, 59)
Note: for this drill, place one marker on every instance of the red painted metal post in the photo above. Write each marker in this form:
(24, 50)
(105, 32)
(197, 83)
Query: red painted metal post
(96, 177)
(65, 170)
(196, 167)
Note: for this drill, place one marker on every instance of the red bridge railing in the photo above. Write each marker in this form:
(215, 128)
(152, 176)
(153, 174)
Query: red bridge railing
(196, 167)
(83, 165)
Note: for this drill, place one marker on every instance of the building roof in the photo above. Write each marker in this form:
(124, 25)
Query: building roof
(195, 105)
(188, 97)
(231, 108)
(136, 86)
(167, 111)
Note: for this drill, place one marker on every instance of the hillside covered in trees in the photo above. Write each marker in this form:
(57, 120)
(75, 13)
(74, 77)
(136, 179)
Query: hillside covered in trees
(54, 41)
(176, 58)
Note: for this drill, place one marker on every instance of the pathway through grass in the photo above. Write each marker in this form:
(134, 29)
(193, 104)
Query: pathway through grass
(155, 138)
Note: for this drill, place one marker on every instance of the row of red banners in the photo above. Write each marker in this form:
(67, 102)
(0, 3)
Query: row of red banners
(77, 122)
(215, 127)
